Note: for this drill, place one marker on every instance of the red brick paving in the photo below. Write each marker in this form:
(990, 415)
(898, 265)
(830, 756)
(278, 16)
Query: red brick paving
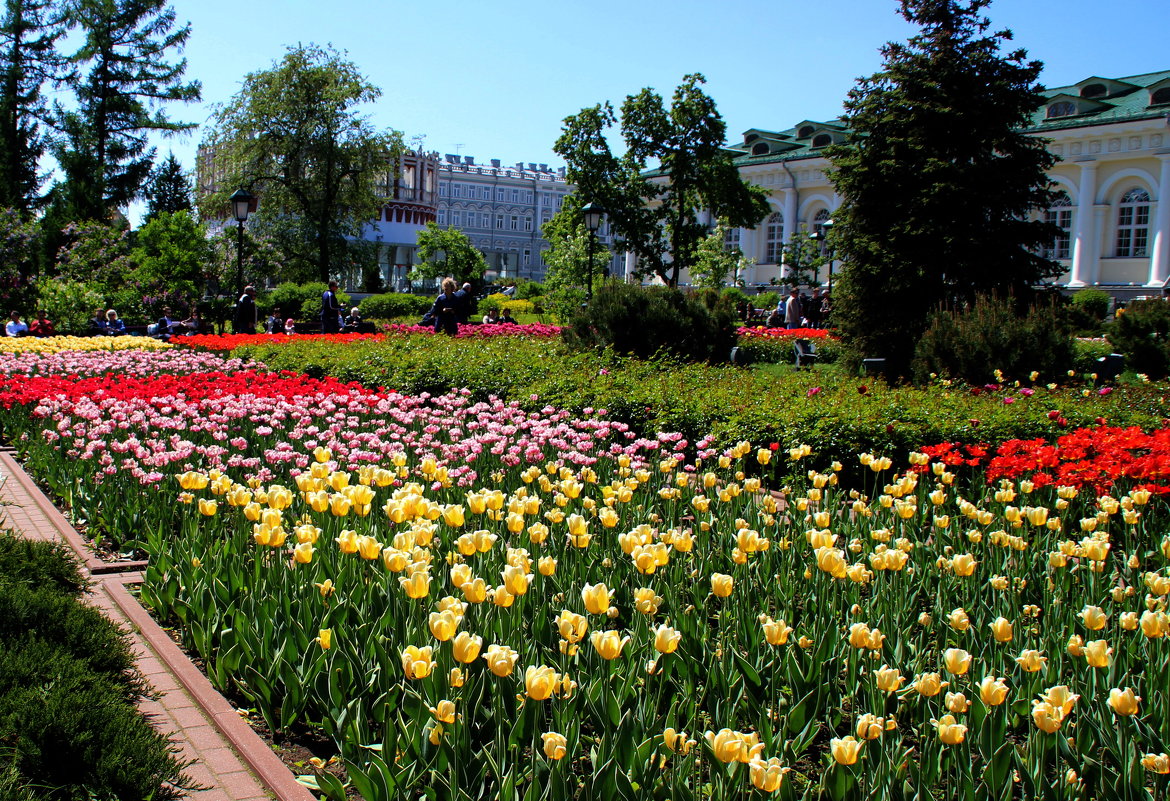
(228, 758)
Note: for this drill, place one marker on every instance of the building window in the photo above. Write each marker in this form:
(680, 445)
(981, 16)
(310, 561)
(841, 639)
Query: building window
(526, 259)
(822, 140)
(500, 221)
(514, 222)
(1094, 90)
(805, 132)
(819, 220)
(485, 220)
(1133, 224)
(1065, 108)
(527, 223)
(442, 216)
(1160, 96)
(443, 189)
(731, 239)
(1060, 215)
(775, 241)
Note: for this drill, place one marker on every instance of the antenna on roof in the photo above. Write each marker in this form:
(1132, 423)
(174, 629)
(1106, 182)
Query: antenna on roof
(458, 146)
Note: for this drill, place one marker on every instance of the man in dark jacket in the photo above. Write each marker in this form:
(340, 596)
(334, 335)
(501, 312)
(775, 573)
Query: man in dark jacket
(330, 310)
(245, 319)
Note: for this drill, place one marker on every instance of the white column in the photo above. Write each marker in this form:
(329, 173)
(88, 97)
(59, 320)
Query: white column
(1084, 244)
(1160, 255)
(789, 214)
(1101, 213)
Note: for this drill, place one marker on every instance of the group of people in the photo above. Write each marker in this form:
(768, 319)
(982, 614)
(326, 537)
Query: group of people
(40, 327)
(455, 306)
(332, 321)
(801, 311)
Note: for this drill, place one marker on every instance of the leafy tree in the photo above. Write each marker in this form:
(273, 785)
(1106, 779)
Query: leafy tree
(168, 189)
(18, 239)
(938, 180)
(294, 135)
(172, 254)
(568, 254)
(69, 304)
(96, 253)
(714, 261)
(104, 150)
(447, 251)
(263, 259)
(803, 260)
(29, 32)
(657, 215)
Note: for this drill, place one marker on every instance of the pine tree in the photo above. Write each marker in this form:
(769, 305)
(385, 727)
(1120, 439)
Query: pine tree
(168, 190)
(938, 180)
(105, 152)
(29, 31)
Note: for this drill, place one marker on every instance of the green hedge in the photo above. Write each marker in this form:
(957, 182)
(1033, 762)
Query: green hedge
(393, 305)
(69, 725)
(837, 414)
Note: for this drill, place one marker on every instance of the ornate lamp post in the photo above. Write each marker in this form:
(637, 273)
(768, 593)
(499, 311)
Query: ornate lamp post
(827, 230)
(241, 201)
(592, 214)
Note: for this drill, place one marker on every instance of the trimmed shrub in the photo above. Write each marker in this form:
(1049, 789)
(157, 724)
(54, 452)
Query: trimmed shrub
(1093, 302)
(1142, 334)
(971, 344)
(299, 301)
(642, 322)
(42, 565)
(394, 304)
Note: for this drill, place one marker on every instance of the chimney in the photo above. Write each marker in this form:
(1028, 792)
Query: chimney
(496, 163)
(544, 168)
(452, 158)
(531, 167)
(469, 160)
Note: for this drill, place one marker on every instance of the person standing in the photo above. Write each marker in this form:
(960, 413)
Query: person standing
(330, 310)
(466, 298)
(792, 311)
(245, 319)
(447, 309)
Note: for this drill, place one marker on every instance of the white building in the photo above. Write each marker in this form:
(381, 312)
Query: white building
(1112, 138)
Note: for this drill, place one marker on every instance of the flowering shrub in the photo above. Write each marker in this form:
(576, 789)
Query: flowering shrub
(470, 595)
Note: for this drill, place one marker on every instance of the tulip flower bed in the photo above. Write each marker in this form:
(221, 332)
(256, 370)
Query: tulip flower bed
(477, 601)
(65, 343)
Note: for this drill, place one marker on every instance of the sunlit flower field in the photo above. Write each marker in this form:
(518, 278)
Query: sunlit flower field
(473, 601)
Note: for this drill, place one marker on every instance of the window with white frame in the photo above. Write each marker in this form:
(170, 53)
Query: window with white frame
(818, 221)
(775, 239)
(1060, 215)
(1133, 224)
(442, 217)
(457, 218)
(514, 222)
(527, 223)
(485, 220)
(501, 195)
(444, 188)
(731, 239)
(515, 195)
(526, 259)
(500, 221)
(456, 190)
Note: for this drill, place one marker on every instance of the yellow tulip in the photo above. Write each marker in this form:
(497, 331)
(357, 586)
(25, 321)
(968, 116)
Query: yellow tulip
(465, 647)
(325, 587)
(957, 703)
(963, 564)
(1001, 629)
(444, 712)
(516, 580)
(1157, 763)
(417, 662)
(1046, 717)
(992, 691)
(596, 598)
(870, 727)
(722, 585)
(1094, 618)
(555, 745)
(453, 515)
(1097, 653)
(325, 639)
(208, 508)
(540, 682)
(767, 776)
(475, 591)
(929, 684)
(845, 750)
(727, 745)
(859, 635)
(303, 553)
(950, 732)
(608, 644)
(1031, 660)
(957, 661)
(348, 541)
(775, 631)
(417, 585)
(958, 620)
(889, 679)
(666, 639)
(572, 626)
(1124, 702)
(1154, 624)
(677, 741)
(501, 659)
(443, 625)
(547, 566)
(369, 548)
(831, 561)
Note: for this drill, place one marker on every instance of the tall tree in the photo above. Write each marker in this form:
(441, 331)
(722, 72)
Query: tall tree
(29, 58)
(447, 251)
(657, 215)
(294, 135)
(168, 189)
(104, 149)
(938, 179)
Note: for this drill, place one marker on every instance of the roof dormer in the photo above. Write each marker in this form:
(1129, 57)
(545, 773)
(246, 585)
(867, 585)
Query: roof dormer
(1160, 92)
(1069, 105)
(1097, 88)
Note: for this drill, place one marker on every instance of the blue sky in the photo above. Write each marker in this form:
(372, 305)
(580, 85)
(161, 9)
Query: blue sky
(495, 78)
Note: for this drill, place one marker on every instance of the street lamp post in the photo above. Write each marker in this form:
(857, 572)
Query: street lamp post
(592, 214)
(827, 230)
(819, 238)
(241, 201)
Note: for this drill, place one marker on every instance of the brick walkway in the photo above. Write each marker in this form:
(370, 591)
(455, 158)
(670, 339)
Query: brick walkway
(228, 758)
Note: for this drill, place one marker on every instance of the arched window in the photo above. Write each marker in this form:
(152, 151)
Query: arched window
(1094, 90)
(731, 239)
(760, 149)
(818, 221)
(805, 132)
(821, 140)
(775, 239)
(1160, 96)
(1060, 215)
(1065, 108)
(1133, 224)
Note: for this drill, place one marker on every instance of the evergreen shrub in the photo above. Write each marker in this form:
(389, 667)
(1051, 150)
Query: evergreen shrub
(39, 564)
(642, 322)
(299, 301)
(393, 305)
(993, 334)
(1142, 334)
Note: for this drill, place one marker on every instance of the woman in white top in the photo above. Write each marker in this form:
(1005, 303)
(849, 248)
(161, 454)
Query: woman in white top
(16, 327)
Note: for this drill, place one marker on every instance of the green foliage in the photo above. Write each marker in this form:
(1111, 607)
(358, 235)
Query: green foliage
(657, 218)
(121, 99)
(642, 322)
(299, 301)
(168, 190)
(97, 254)
(766, 300)
(69, 304)
(1142, 334)
(1095, 302)
(172, 255)
(971, 344)
(568, 256)
(714, 262)
(42, 565)
(263, 258)
(938, 180)
(394, 305)
(19, 237)
(527, 290)
(447, 252)
(294, 133)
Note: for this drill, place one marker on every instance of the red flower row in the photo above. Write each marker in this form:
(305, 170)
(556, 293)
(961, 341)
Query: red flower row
(760, 332)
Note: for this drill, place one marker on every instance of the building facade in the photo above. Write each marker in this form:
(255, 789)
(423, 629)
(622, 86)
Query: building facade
(502, 211)
(1112, 140)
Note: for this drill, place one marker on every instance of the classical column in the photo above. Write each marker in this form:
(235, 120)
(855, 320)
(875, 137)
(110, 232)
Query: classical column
(1084, 254)
(789, 214)
(1160, 254)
